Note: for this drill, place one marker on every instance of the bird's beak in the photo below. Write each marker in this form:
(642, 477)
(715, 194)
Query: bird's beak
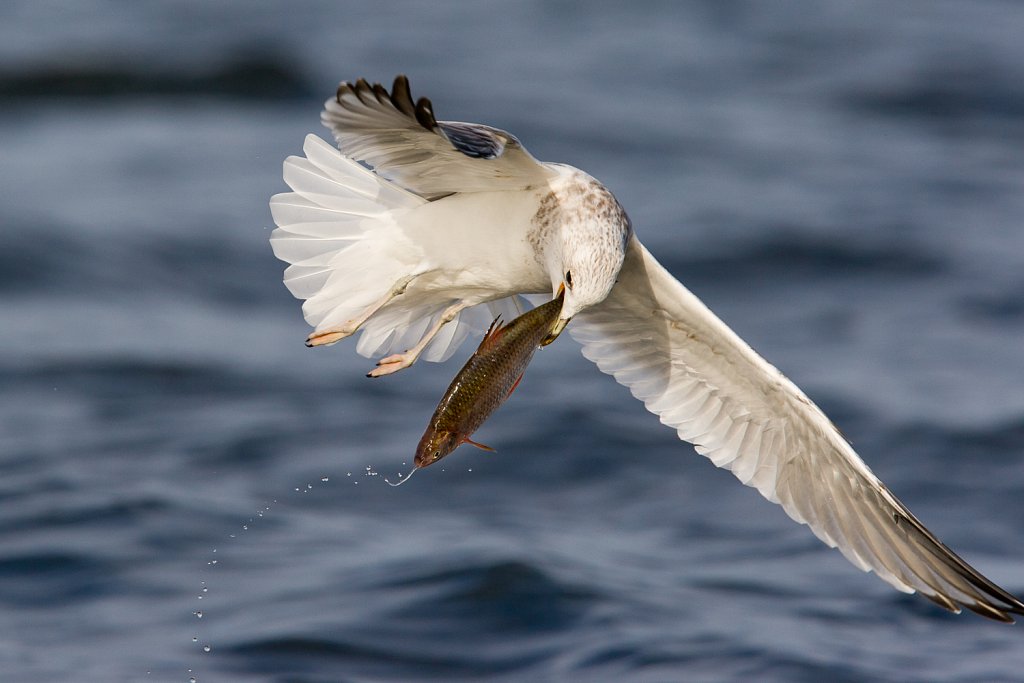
(560, 324)
(556, 330)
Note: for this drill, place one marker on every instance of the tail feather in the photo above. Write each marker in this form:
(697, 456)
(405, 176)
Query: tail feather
(305, 281)
(304, 250)
(299, 216)
(355, 176)
(310, 183)
(339, 230)
(336, 204)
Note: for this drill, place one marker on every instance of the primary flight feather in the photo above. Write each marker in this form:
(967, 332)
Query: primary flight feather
(418, 231)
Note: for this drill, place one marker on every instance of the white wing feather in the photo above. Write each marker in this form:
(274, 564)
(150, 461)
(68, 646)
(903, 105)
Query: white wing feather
(689, 368)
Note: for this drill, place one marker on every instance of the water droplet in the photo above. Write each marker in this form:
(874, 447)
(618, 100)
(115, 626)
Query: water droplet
(195, 639)
(324, 479)
(191, 679)
(199, 614)
(199, 597)
(206, 648)
(245, 527)
(205, 589)
(309, 486)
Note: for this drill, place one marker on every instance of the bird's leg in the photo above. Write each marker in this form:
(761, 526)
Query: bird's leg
(391, 364)
(336, 334)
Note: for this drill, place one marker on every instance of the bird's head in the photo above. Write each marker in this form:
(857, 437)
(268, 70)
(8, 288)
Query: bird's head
(587, 268)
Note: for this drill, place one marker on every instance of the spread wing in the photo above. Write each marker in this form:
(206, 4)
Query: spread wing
(676, 356)
(403, 142)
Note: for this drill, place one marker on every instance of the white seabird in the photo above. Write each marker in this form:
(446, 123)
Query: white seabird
(453, 215)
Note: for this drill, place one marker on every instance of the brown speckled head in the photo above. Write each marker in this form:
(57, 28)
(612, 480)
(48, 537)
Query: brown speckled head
(579, 234)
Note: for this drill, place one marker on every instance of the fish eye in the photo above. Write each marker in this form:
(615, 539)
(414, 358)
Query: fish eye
(568, 279)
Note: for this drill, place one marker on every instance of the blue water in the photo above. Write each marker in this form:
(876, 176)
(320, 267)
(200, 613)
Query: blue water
(842, 182)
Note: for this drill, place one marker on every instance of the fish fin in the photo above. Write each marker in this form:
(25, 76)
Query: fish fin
(493, 334)
(520, 379)
(481, 446)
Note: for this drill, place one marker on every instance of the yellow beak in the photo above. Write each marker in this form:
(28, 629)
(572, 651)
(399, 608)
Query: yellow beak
(559, 325)
(556, 330)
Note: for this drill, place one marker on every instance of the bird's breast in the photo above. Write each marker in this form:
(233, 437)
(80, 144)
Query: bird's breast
(479, 240)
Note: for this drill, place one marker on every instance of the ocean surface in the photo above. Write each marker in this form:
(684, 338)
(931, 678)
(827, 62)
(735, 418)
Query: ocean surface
(843, 183)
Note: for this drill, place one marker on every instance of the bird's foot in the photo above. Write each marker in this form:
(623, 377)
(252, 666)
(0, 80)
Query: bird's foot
(328, 337)
(392, 364)
(335, 335)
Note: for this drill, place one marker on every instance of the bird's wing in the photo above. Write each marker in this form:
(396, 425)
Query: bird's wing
(402, 141)
(689, 368)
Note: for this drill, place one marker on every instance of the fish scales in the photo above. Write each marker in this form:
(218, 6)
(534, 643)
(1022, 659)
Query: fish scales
(485, 381)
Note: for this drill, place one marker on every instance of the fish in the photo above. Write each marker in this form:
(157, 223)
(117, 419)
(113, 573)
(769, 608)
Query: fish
(487, 379)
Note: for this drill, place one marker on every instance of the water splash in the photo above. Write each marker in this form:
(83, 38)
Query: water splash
(401, 479)
(200, 641)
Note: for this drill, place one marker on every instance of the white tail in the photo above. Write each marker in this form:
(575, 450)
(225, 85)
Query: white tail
(326, 230)
(339, 230)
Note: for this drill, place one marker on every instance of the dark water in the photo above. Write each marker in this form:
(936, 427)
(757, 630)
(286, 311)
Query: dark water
(842, 182)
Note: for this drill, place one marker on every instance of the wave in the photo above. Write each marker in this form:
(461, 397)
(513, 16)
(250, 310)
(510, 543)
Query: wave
(957, 89)
(42, 257)
(789, 255)
(496, 617)
(252, 77)
(50, 577)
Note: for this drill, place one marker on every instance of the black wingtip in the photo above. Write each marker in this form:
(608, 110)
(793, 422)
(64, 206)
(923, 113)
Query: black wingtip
(401, 96)
(362, 89)
(425, 114)
(343, 88)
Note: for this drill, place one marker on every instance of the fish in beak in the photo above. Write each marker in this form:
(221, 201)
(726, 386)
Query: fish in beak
(560, 324)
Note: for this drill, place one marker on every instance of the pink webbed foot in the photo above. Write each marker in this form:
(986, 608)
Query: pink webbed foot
(328, 337)
(392, 364)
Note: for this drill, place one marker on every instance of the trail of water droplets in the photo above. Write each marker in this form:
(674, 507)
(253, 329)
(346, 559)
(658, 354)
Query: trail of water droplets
(246, 527)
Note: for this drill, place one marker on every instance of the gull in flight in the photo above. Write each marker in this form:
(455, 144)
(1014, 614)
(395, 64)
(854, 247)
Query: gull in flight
(417, 232)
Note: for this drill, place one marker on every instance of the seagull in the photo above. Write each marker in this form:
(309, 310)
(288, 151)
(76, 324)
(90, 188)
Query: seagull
(417, 232)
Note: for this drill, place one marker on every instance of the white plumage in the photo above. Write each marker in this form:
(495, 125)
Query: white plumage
(349, 235)
(454, 215)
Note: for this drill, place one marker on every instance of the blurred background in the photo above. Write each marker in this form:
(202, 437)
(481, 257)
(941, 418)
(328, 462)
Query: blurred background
(843, 183)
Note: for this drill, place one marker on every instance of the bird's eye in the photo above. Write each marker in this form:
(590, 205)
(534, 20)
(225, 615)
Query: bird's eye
(568, 279)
